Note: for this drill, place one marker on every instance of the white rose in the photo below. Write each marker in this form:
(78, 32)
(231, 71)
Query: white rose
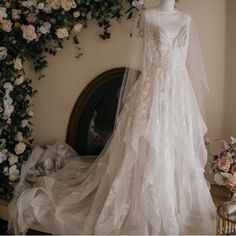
(8, 86)
(19, 81)
(233, 140)
(219, 179)
(3, 156)
(3, 13)
(31, 113)
(15, 14)
(3, 53)
(6, 170)
(138, 3)
(48, 8)
(41, 6)
(24, 123)
(13, 159)
(7, 111)
(78, 27)
(62, 33)
(19, 136)
(76, 14)
(55, 4)
(29, 32)
(2, 142)
(20, 148)
(7, 100)
(29, 3)
(14, 173)
(18, 64)
(45, 28)
(6, 25)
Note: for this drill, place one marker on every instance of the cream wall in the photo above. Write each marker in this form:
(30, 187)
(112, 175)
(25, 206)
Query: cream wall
(66, 76)
(230, 111)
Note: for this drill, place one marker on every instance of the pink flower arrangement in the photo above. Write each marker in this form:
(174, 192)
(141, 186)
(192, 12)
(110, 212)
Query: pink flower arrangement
(224, 164)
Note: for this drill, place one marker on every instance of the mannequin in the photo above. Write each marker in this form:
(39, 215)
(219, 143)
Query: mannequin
(169, 18)
(167, 5)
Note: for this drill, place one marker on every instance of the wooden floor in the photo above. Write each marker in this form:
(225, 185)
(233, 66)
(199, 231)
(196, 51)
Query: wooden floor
(220, 194)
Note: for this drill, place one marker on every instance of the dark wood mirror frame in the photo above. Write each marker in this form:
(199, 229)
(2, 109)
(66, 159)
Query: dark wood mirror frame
(99, 99)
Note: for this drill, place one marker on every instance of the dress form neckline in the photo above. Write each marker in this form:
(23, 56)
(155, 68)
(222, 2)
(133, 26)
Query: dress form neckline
(172, 12)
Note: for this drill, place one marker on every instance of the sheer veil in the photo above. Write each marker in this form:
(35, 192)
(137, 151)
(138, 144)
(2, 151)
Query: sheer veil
(139, 62)
(135, 64)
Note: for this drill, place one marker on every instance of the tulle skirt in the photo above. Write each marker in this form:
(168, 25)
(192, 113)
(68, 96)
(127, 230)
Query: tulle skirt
(149, 178)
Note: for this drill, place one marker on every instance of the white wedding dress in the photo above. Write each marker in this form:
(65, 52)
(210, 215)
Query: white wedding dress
(149, 179)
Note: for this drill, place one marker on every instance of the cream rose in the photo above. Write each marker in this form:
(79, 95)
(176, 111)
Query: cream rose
(3, 156)
(3, 13)
(14, 173)
(19, 137)
(6, 25)
(29, 32)
(3, 53)
(15, 14)
(55, 4)
(18, 64)
(45, 28)
(62, 33)
(66, 5)
(78, 27)
(76, 14)
(20, 148)
(13, 159)
(41, 6)
(73, 4)
(19, 80)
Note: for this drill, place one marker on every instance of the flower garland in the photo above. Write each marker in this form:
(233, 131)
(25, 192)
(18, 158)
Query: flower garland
(28, 30)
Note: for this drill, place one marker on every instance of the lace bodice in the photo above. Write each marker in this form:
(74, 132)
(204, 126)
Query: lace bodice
(166, 51)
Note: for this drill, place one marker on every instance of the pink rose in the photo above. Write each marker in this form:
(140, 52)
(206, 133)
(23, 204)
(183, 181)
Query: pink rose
(226, 154)
(224, 165)
(31, 18)
(78, 27)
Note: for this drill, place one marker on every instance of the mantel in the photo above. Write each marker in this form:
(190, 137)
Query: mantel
(220, 194)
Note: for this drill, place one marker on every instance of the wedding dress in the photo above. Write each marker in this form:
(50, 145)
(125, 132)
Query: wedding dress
(149, 178)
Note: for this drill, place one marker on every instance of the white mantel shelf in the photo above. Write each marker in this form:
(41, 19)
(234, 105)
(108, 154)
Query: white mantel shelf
(219, 194)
